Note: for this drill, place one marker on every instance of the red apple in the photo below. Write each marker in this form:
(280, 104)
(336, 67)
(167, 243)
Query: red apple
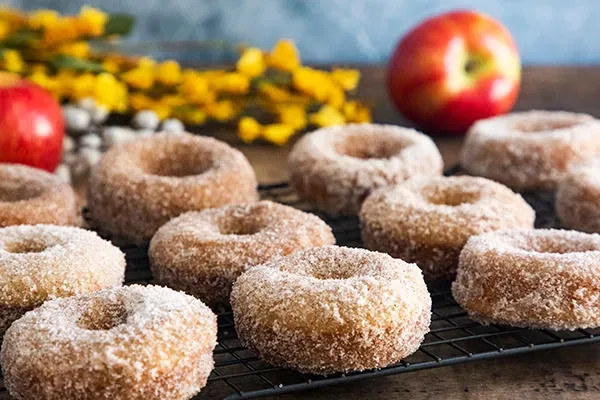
(31, 124)
(453, 69)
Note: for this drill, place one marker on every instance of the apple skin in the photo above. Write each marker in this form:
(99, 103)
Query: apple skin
(31, 124)
(454, 69)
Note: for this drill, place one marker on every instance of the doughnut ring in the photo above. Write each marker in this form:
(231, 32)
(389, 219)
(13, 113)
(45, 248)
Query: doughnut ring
(530, 150)
(428, 220)
(548, 279)
(32, 196)
(332, 309)
(41, 262)
(578, 197)
(131, 342)
(221, 242)
(336, 168)
(139, 186)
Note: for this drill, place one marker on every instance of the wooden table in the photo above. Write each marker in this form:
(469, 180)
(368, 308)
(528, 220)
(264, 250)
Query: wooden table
(568, 373)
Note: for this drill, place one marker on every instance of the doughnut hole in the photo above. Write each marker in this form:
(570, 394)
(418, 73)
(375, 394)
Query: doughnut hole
(25, 246)
(372, 145)
(10, 193)
(544, 125)
(554, 245)
(103, 315)
(177, 161)
(452, 196)
(332, 269)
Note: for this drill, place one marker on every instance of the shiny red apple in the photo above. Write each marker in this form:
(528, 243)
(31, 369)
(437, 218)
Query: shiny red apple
(31, 124)
(454, 69)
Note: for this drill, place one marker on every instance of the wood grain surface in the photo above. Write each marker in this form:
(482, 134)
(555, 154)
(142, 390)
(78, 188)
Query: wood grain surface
(568, 373)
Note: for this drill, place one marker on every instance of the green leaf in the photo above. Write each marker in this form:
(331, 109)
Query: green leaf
(21, 38)
(76, 64)
(119, 24)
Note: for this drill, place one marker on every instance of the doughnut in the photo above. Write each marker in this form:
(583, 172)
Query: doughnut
(544, 278)
(30, 196)
(336, 168)
(41, 262)
(530, 150)
(127, 343)
(427, 220)
(202, 253)
(332, 309)
(578, 197)
(139, 186)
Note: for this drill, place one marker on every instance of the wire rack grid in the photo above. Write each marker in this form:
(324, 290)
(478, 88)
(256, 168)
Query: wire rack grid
(453, 339)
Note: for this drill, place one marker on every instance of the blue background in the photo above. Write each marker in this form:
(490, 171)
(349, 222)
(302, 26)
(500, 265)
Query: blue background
(547, 31)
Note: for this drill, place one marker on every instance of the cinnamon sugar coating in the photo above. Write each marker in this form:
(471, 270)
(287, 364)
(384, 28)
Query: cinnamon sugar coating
(332, 309)
(530, 150)
(32, 196)
(428, 220)
(202, 253)
(540, 278)
(337, 167)
(132, 342)
(42, 262)
(139, 186)
(578, 197)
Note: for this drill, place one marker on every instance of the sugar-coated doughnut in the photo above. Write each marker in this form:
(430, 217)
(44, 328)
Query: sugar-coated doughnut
(127, 343)
(336, 168)
(202, 253)
(32, 196)
(139, 186)
(332, 309)
(530, 150)
(428, 220)
(41, 262)
(578, 197)
(531, 278)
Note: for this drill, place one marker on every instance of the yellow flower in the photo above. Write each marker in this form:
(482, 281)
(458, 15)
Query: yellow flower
(110, 92)
(45, 81)
(356, 112)
(346, 78)
(76, 49)
(252, 62)
(91, 21)
(162, 110)
(173, 100)
(312, 82)
(326, 116)
(140, 101)
(141, 77)
(195, 88)
(42, 18)
(278, 134)
(284, 56)
(5, 29)
(273, 92)
(336, 97)
(222, 110)
(110, 65)
(63, 30)
(65, 79)
(168, 72)
(12, 61)
(232, 82)
(248, 129)
(83, 86)
(292, 115)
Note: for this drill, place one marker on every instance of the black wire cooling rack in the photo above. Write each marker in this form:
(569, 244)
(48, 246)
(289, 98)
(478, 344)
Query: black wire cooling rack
(453, 339)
